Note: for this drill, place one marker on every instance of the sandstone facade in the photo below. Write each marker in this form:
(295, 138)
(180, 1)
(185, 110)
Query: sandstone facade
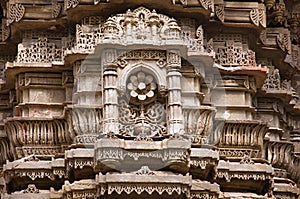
(181, 99)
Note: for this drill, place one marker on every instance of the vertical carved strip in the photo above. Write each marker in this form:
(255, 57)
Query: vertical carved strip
(175, 123)
(111, 111)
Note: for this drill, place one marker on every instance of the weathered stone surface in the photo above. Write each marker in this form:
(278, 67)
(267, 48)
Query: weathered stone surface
(177, 99)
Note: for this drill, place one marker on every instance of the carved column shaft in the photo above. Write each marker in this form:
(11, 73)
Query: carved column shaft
(111, 114)
(110, 101)
(175, 119)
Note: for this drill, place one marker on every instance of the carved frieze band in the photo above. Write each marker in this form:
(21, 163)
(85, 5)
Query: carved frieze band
(24, 170)
(228, 176)
(47, 136)
(242, 134)
(149, 188)
(119, 154)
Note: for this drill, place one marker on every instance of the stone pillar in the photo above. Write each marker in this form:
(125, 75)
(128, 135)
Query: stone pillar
(110, 94)
(175, 117)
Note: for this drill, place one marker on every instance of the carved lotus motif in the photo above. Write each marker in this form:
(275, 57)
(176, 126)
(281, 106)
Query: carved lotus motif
(141, 86)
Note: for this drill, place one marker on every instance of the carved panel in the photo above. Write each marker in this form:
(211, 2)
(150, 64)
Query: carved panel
(243, 176)
(32, 168)
(41, 51)
(38, 47)
(115, 153)
(232, 50)
(33, 10)
(198, 124)
(87, 121)
(273, 79)
(140, 27)
(238, 152)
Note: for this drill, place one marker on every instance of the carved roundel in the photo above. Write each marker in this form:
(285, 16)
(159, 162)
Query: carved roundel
(141, 87)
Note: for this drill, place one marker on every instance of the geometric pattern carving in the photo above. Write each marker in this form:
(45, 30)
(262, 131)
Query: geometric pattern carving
(284, 42)
(56, 9)
(44, 47)
(232, 50)
(41, 51)
(257, 16)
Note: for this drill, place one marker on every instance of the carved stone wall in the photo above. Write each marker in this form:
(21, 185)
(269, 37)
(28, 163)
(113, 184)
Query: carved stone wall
(181, 99)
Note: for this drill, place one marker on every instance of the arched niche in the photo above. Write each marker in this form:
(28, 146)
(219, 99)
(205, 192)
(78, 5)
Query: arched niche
(158, 73)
